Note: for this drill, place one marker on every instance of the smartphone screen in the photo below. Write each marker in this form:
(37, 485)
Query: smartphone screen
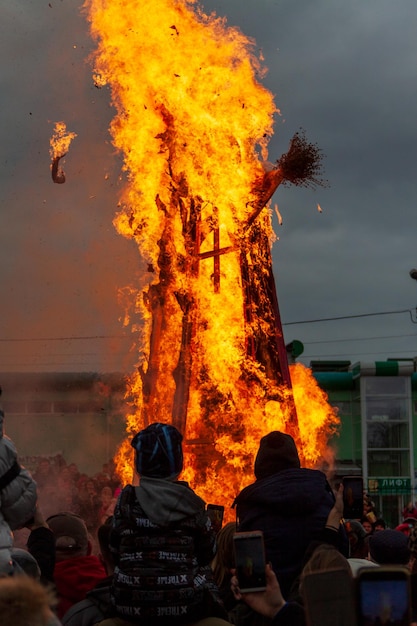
(250, 561)
(215, 513)
(383, 596)
(352, 497)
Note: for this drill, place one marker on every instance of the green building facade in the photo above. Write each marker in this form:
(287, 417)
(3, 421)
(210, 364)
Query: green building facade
(377, 407)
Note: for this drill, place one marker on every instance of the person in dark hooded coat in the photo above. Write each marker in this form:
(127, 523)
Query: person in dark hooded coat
(288, 503)
(162, 540)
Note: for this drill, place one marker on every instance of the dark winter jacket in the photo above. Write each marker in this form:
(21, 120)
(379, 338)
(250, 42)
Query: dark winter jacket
(17, 494)
(163, 545)
(291, 508)
(91, 610)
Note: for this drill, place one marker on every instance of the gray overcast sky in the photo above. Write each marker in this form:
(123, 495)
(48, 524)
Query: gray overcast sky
(346, 72)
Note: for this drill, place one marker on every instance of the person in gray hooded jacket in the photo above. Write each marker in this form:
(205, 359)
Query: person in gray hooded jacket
(18, 497)
(162, 539)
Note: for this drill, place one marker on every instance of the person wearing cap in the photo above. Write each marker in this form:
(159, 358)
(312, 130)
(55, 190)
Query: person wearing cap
(289, 504)
(76, 570)
(97, 603)
(162, 539)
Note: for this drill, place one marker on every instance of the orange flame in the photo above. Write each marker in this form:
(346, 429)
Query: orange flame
(193, 123)
(60, 140)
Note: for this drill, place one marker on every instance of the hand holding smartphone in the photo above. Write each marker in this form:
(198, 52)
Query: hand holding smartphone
(250, 561)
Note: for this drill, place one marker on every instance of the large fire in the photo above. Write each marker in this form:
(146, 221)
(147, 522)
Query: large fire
(193, 124)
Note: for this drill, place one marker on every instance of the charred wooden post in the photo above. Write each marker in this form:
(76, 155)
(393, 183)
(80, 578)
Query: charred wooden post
(265, 341)
(157, 299)
(191, 229)
(183, 369)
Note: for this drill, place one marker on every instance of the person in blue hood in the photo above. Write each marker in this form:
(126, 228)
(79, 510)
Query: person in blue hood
(290, 504)
(162, 540)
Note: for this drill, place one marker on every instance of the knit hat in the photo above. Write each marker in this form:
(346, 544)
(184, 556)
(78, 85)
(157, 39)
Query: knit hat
(70, 530)
(389, 547)
(158, 451)
(277, 452)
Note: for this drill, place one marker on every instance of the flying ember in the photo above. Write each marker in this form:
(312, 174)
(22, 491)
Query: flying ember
(193, 123)
(59, 146)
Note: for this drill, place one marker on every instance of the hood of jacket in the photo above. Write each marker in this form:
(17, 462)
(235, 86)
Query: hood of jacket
(167, 502)
(297, 491)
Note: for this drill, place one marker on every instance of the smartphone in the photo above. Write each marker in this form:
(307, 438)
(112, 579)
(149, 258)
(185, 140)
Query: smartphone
(329, 598)
(352, 497)
(383, 596)
(215, 513)
(250, 560)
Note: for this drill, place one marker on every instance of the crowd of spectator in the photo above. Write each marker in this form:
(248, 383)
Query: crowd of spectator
(62, 487)
(101, 554)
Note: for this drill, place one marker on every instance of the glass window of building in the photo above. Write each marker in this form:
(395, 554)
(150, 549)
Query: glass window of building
(387, 400)
(387, 441)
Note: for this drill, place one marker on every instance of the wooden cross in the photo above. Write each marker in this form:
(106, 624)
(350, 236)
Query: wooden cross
(215, 253)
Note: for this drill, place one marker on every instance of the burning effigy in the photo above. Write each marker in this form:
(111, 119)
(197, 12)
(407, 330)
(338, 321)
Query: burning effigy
(58, 148)
(193, 123)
